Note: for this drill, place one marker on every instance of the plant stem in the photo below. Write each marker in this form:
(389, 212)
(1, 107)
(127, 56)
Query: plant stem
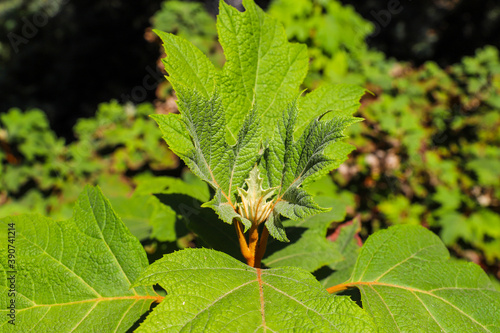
(245, 251)
(253, 240)
(261, 249)
(339, 287)
(254, 250)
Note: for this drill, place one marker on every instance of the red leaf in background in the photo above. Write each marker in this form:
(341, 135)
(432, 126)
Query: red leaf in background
(333, 237)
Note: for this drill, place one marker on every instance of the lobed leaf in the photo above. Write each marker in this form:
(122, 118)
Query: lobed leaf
(289, 163)
(187, 65)
(212, 292)
(205, 150)
(309, 248)
(408, 283)
(341, 99)
(262, 68)
(223, 129)
(79, 270)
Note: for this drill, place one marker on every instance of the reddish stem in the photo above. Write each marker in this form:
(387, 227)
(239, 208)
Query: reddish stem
(245, 251)
(261, 249)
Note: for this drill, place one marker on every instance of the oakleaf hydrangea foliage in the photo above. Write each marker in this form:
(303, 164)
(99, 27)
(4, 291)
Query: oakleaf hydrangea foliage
(238, 127)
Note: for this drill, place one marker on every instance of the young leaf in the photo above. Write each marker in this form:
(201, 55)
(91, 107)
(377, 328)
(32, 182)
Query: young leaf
(261, 68)
(212, 292)
(205, 150)
(73, 274)
(409, 265)
(262, 74)
(289, 163)
(204, 222)
(342, 99)
(309, 249)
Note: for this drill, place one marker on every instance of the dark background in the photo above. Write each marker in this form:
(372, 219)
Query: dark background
(93, 51)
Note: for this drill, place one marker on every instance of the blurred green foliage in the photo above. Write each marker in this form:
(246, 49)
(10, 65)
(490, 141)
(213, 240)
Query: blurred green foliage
(429, 153)
(118, 149)
(188, 20)
(335, 35)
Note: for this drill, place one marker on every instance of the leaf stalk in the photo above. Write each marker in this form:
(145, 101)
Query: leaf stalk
(339, 287)
(253, 241)
(261, 249)
(254, 250)
(245, 251)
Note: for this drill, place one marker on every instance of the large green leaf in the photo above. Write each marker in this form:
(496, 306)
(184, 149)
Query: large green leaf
(261, 68)
(147, 217)
(408, 284)
(144, 215)
(75, 275)
(208, 291)
(137, 213)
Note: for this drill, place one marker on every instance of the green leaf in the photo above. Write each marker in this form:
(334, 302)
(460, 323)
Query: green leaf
(410, 266)
(342, 99)
(262, 68)
(219, 131)
(146, 216)
(203, 118)
(135, 213)
(72, 275)
(204, 223)
(205, 151)
(188, 185)
(309, 249)
(289, 163)
(187, 65)
(143, 214)
(212, 292)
